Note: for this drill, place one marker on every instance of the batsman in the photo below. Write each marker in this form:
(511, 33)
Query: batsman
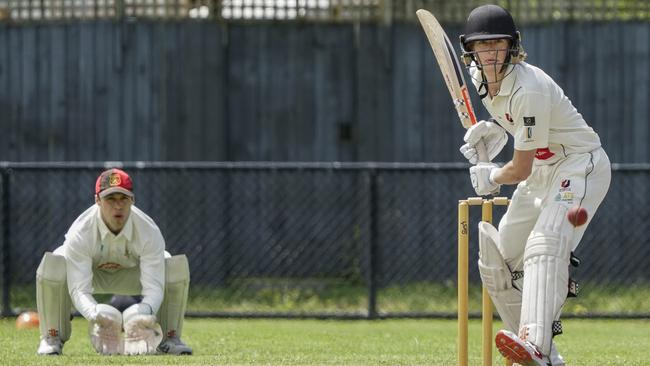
(558, 163)
(114, 248)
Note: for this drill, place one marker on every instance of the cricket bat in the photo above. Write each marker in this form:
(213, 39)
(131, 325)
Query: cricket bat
(452, 73)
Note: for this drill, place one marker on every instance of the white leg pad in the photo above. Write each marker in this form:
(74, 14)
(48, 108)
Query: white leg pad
(177, 283)
(52, 298)
(555, 357)
(497, 278)
(546, 268)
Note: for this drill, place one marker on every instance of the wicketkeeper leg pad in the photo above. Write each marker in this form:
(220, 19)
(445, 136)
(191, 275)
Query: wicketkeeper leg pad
(177, 283)
(546, 268)
(497, 278)
(52, 297)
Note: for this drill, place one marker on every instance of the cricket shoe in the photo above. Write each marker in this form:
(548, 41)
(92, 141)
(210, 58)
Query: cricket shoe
(174, 346)
(50, 346)
(519, 351)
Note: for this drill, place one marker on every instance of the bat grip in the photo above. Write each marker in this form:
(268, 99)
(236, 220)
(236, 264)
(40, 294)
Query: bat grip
(481, 150)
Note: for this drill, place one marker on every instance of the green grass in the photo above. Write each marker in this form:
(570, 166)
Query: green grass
(313, 342)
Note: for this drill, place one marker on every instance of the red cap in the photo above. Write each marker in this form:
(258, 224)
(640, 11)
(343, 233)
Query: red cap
(112, 181)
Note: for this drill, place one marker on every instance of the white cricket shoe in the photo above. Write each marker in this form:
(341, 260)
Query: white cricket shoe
(519, 351)
(50, 346)
(174, 346)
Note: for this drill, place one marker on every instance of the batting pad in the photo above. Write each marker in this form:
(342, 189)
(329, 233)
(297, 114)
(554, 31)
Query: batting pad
(546, 276)
(177, 283)
(497, 278)
(52, 298)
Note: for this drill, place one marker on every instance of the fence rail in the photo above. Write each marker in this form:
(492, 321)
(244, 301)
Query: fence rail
(383, 11)
(342, 240)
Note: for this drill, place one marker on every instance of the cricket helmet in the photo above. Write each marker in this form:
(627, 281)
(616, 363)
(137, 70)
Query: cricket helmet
(491, 22)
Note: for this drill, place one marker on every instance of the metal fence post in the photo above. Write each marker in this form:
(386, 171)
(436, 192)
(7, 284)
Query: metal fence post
(6, 248)
(372, 283)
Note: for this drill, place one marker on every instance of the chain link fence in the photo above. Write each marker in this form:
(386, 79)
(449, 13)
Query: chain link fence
(385, 11)
(318, 239)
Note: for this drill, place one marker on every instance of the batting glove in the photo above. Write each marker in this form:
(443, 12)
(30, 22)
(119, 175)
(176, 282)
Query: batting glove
(482, 176)
(493, 135)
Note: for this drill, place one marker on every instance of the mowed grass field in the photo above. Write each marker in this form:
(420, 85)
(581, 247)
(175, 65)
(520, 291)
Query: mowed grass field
(332, 342)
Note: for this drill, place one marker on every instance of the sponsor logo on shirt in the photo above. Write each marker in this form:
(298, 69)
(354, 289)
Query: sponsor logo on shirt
(529, 121)
(529, 133)
(543, 154)
(564, 197)
(109, 265)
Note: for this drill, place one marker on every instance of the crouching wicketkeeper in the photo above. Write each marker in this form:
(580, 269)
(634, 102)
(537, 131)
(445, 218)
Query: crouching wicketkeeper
(114, 247)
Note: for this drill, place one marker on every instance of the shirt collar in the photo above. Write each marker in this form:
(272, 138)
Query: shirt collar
(127, 230)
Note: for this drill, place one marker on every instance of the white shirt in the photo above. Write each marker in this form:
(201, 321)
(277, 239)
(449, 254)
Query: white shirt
(90, 246)
(535, 111)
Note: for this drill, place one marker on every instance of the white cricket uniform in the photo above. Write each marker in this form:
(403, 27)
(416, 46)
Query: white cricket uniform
(570, 166)
(98, 261)
(570, 169)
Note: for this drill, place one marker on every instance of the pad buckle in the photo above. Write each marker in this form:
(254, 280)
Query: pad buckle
(574, 288)
(556, 327)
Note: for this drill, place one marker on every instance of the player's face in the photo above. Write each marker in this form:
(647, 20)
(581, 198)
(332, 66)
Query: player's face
(491, 52)
(115, 209)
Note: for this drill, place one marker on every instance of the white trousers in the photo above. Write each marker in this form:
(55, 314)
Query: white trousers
(579, 179)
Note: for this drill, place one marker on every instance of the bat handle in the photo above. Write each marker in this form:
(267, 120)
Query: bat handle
(481, 150)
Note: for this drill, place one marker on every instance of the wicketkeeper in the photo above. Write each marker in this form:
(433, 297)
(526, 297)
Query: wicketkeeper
(558, 163)
(115, 248)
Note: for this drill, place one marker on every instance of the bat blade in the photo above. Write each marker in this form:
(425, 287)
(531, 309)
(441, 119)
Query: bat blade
(452, 73)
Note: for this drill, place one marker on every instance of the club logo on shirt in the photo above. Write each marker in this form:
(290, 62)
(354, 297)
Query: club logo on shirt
(509, 118)
(529, 121)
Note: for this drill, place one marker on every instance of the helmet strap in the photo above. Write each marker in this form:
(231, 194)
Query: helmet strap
(483, 90)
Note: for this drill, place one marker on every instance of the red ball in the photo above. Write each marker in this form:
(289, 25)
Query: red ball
(577, 215)
(27, 319)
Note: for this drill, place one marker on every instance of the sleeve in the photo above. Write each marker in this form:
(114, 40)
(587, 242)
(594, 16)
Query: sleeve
(152, 270)
(531, 111)
(80, 275)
